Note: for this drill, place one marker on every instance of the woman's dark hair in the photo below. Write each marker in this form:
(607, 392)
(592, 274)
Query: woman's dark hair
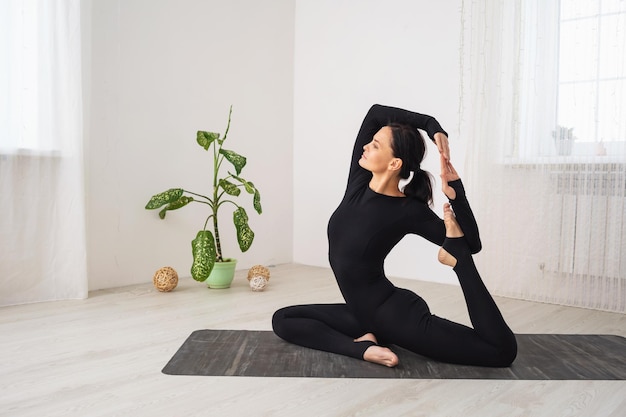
(408, 145)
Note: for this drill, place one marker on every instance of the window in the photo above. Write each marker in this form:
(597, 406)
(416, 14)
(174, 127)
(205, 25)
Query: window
(25, 83)
(591, 104)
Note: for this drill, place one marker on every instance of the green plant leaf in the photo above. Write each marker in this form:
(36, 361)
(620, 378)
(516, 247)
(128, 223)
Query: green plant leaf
(230, 188)
(251, 188)
(205, 139)
(174, 205)
(203, 249)
(256, 201)
(234, 158)
(248, 185)
(245, 235)
(230, 112)
(163, 198)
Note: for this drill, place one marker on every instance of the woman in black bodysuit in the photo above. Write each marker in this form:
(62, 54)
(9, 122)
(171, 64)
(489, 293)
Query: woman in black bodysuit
(372, 218)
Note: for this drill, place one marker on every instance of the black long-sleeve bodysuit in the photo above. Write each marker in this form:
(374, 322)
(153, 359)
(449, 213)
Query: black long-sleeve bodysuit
(361, 233)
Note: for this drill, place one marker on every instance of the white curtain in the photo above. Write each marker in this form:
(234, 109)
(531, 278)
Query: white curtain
(543, 96)
(42, 217)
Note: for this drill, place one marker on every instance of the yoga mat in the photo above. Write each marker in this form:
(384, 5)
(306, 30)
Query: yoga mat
(262, 353)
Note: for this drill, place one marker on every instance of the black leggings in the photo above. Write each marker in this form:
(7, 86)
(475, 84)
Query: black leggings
(404, 319)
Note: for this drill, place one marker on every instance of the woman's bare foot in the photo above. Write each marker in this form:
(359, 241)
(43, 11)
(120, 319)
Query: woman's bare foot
(380, 355)
(377, 354)
(367, 337)
(452, 230)
(449, 220)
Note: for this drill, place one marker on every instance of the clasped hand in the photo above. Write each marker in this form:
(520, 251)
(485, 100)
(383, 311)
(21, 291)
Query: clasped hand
(448, 173)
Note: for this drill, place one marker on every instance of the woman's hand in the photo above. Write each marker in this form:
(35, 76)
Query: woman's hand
(448, 173)
(442, 144)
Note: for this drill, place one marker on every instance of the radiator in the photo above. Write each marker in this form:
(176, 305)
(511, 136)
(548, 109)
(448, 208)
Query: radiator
(591, 256)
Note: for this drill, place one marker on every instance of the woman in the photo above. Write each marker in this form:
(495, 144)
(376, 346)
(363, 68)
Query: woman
(372, 218)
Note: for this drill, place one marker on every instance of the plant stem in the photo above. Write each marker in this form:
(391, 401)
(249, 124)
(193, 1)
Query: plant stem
(218, 245)
(198, 195)
(206, 222)
(216, 164)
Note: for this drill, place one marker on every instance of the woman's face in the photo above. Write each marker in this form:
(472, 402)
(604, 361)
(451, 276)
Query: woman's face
(377, 155)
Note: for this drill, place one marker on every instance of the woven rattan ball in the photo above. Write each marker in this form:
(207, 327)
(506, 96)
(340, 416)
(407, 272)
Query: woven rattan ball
(165, 279)
(259, 271)
(258, 283)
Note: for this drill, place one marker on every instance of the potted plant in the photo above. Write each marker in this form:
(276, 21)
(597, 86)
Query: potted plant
(208, 260)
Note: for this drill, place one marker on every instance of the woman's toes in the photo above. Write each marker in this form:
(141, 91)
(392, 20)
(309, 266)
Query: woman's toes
(449, 220)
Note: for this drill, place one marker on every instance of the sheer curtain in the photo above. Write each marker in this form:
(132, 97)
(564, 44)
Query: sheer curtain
(543, 99)
(42, 223)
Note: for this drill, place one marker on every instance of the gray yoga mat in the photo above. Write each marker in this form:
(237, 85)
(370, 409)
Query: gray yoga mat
(262, 353)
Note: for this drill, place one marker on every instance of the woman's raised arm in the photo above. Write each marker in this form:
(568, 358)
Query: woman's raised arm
(379, 116)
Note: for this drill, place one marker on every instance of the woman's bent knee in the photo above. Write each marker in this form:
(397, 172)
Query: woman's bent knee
(278, 322)
(508, 353)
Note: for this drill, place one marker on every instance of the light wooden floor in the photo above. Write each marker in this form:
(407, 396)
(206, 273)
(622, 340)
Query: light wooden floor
(103, 357)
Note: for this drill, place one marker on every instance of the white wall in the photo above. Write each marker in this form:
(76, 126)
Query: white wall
(160, 71)
(350, 55)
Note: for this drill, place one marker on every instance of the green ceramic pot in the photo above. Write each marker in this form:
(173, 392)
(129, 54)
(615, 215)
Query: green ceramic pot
(222, 274)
